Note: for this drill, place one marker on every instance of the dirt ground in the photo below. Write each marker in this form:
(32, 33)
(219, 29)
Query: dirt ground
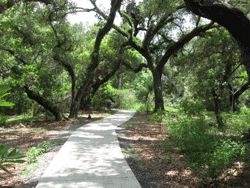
(29, 134)
(156, 166)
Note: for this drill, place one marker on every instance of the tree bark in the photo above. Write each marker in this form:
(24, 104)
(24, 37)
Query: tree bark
(236, 95)
(87, 98)
(86, 102)
(75, 105)
(70, 70)
(158, 91)
(217, 110)
(31, 94)
(91, 69)
(44, 102)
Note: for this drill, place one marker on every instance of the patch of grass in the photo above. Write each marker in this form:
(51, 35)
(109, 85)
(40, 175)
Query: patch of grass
(167, 158)
(237, 123)
(32, 156)
(17, 119)
(209, 153)
(172, 109)
(134, 106)
(131, 152)
(128, 126)
(29, 169)
(35, 130)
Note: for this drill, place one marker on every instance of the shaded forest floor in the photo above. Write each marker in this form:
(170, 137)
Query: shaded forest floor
(29, 134)
(157, 163)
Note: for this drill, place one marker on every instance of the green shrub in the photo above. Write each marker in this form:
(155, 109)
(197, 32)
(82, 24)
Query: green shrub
(9, 156)
(4, 91)
(223, 155)
(192, 106)
(192, 135)
(237, 123)
(209, 153)
(34, 152)
(104, 93)
(124, 99)
(3, 121)
(158, 117)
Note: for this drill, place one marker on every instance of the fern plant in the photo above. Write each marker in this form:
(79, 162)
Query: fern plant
(4, 91)
(9, 156)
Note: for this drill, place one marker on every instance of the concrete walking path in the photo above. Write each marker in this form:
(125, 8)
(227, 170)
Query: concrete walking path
(91, 158)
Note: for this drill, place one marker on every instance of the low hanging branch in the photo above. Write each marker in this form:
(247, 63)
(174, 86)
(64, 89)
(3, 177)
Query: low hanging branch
(176, 46)
(241, 90)
(52, 108)
(43, 102)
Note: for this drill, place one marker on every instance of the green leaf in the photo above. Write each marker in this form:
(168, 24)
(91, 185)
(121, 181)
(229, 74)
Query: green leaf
(4, 150)
(4, 169)
(6, 104)
(15, 154)
(16, 161)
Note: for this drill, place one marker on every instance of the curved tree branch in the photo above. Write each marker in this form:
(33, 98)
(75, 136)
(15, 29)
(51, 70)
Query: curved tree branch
(231, 18)
(174, 47)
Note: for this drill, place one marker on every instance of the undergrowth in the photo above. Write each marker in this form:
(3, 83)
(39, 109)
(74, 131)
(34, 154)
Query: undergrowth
(34, 152)
(209, 151)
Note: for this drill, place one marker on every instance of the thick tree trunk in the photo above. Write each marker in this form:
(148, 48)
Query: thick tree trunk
(235, 106)
(75, 105)
(158, 92)
(74, 108)
(86, 102)
(217, 110)
(233, 103)
(44, 102)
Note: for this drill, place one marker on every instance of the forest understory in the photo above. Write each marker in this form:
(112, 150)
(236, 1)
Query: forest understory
(158, 163)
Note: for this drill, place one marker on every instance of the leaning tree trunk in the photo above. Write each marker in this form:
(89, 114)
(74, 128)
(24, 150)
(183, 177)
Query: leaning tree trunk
(95, 58)
(87, 97)
(158, 92)
(236, 95)
(44, 102)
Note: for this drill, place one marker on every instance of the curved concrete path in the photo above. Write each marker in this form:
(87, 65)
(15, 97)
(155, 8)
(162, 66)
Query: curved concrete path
(91, 158)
